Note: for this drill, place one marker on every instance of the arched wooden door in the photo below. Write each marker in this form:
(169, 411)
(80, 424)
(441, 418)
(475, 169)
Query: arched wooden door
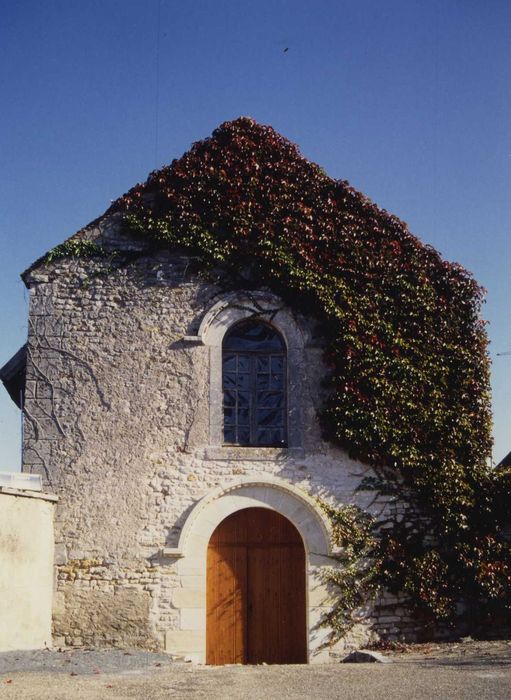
(256, 591)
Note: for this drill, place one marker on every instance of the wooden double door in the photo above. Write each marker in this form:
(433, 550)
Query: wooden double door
(256, 591)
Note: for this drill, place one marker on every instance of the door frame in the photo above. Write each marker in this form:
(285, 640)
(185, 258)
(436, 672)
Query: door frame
(188, 559)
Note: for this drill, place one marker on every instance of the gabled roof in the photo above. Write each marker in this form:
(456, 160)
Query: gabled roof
(247, 180)
(504, 463)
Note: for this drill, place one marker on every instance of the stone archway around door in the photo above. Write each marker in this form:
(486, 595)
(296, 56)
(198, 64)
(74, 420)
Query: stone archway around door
(256, 491)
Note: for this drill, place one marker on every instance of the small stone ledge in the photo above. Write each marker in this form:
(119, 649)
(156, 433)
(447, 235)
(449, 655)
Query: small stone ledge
(192, 340)
(171, 553)
(252, 454)
(29, 494)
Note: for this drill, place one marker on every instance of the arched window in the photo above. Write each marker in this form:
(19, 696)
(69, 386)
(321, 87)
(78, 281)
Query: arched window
(254, 385)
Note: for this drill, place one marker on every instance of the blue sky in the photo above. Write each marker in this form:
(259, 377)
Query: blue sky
(408, 100)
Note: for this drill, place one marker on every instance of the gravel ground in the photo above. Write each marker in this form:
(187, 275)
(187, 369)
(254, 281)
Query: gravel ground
(80, 662)
(468, 671)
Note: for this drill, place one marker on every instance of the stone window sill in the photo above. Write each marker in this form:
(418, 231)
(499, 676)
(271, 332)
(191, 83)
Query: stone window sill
(252, 454)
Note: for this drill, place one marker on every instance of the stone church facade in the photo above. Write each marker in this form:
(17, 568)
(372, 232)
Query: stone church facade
(124, 420)
(172, 403)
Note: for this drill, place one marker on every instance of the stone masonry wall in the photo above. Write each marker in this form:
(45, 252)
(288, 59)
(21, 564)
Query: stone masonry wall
(117, 423)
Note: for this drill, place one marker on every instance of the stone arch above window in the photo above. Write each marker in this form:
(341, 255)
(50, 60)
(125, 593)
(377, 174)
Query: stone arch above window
(266, 309)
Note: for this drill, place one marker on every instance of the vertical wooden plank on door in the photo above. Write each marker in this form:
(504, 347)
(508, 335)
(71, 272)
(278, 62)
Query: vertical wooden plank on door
(264, 642)
(226, 604)
(292, 613)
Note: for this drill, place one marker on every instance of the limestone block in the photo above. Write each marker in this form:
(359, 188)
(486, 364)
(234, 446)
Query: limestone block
(321, 596)
(184, 641)
(317, 616)
(60, 554)
(313, 536)
(196, 545)
(297, 512)
(195, 582)
(59, 603)
(193, 619)
(319, 638)
(189, 598)
(191, 566)
(320, 656)
(319, 560)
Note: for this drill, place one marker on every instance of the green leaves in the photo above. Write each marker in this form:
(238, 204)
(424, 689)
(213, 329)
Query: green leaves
(75, 248)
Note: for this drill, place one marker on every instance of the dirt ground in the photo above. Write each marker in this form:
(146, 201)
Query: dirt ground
(468, 670)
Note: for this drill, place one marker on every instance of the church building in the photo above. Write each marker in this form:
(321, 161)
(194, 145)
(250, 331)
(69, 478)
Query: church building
(173, 394)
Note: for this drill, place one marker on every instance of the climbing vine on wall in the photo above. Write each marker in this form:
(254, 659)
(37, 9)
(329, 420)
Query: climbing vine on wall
(75, 248)
(355, 577)
(405, 346)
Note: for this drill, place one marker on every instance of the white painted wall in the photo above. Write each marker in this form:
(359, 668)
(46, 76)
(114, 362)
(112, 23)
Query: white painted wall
(26, 569)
